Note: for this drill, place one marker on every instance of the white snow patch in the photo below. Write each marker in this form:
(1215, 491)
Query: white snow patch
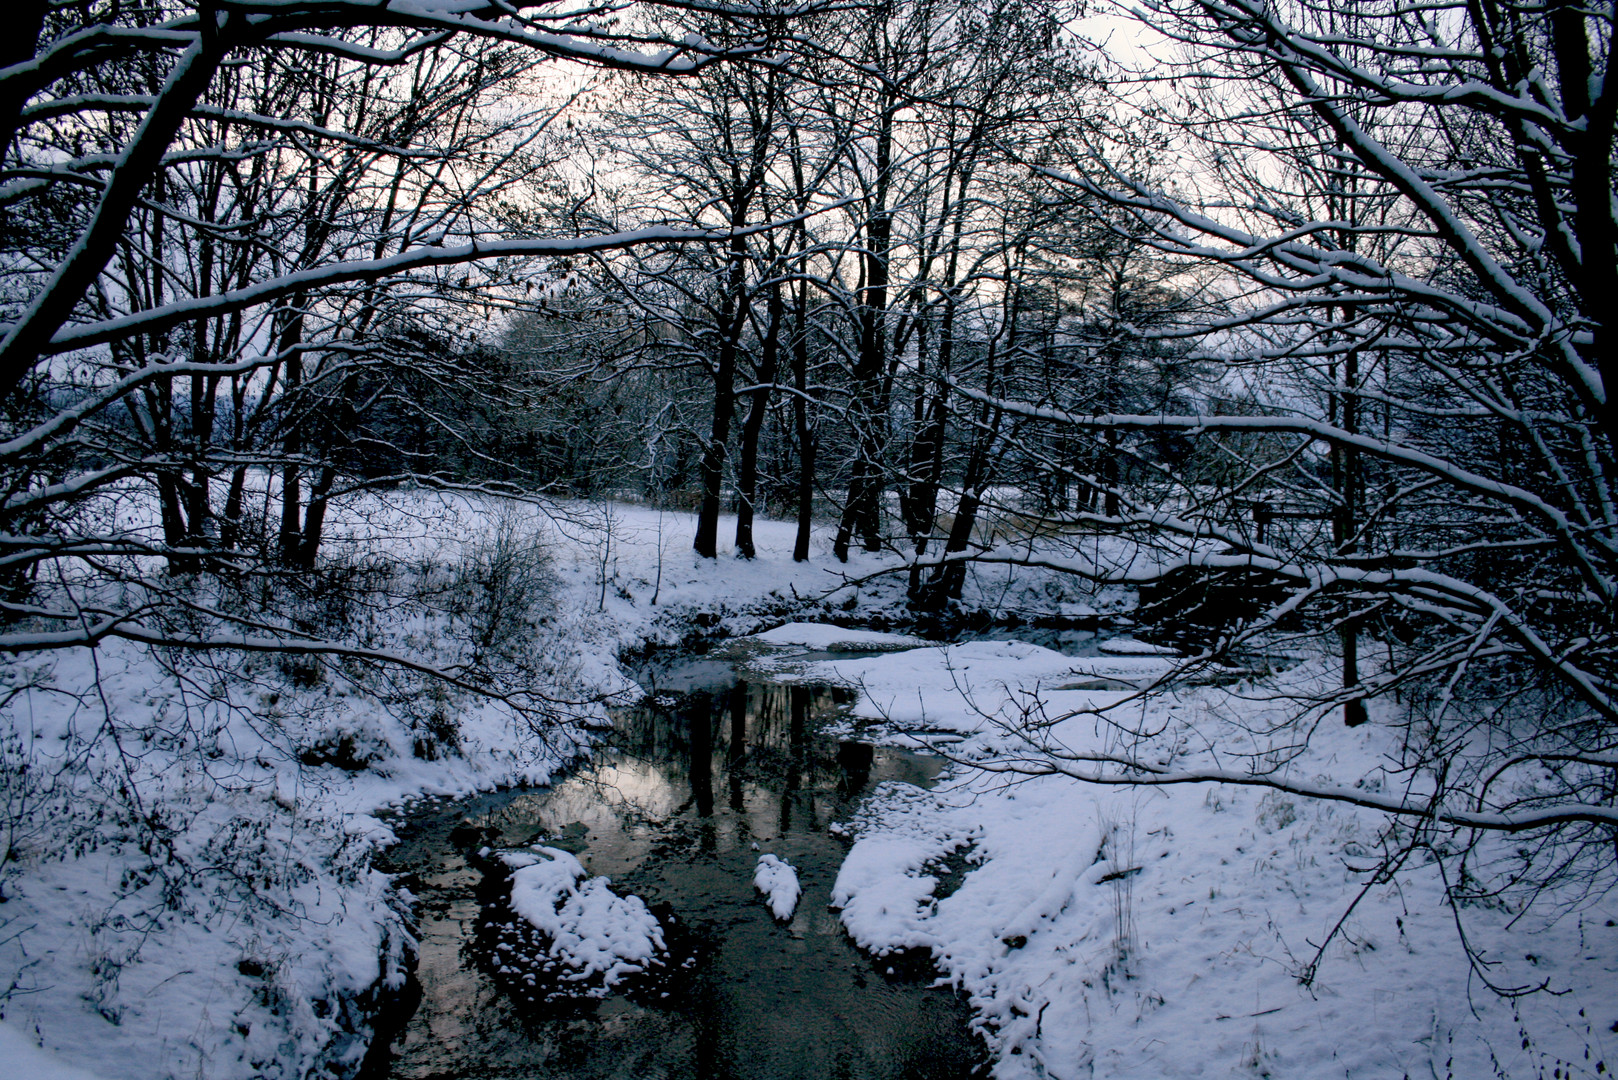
(950, 687)
(1163, 932)
(824, 637)
(24, 1058)
(1131, 647)
(778, 881)
(593, 930)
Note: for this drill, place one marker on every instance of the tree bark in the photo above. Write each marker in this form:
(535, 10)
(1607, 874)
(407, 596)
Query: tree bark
(862, 513)
(806, 436)
(747, 473)
(290, 533)
(733, 314)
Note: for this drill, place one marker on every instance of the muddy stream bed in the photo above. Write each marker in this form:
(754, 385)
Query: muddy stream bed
(696, 776)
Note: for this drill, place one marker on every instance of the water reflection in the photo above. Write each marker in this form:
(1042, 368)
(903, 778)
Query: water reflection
(672, 811)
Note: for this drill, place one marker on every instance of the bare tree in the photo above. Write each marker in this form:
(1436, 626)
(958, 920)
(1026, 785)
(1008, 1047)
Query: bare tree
(218, 220)
(1409, 218)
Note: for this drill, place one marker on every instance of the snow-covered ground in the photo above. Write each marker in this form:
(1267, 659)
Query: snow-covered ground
(237, 930)
(190, 890)
(1166, 931)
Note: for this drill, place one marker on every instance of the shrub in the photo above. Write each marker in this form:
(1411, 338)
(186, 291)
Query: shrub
(502, 583)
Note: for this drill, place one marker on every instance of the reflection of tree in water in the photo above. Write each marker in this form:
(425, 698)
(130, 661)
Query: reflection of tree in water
(755, 749)
(671, 811)
(764, 735)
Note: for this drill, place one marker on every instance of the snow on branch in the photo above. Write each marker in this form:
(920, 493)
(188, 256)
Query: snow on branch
(372, 270)
(1133, 772)
(1557, 521)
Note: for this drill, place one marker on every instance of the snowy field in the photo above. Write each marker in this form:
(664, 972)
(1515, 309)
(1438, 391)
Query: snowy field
(1098, 932)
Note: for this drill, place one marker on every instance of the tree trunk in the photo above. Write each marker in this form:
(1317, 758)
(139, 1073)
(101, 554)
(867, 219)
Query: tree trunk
(290, 533)
(862, 513)
(230, 532)
(927, 454)
(204, 393)
(733, 314)
(1345, 525)
(806, 437)
(747, 474)
(949, 578)
(314, 518)
(27, 19)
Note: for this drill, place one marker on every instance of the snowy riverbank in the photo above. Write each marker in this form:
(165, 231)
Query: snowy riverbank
(239, 930)
(231, 925)
(1167, 931)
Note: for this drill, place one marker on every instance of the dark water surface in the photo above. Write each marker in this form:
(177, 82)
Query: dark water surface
(701, 772)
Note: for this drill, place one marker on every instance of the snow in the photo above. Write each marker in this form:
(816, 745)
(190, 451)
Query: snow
(1131, 647)
(963, 688)
(25, 1060)
(1165, 932)
(257, 948)
(823, 637)
(592, 930)
(1094, 931)
(778, 881)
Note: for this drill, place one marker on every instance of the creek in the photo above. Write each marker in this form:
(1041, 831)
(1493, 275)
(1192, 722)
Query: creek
(676, 807)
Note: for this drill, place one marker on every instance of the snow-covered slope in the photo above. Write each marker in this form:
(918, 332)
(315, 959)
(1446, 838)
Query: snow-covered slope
(1179, 931)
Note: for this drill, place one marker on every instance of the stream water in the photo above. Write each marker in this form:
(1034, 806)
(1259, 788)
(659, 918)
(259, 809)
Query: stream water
(695, 777)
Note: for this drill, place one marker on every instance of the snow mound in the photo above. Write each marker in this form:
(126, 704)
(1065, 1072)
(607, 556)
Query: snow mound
(778, 881)
(883, 888)
(592, 930)
(946, 687)
(824, 638)
(1131, 647)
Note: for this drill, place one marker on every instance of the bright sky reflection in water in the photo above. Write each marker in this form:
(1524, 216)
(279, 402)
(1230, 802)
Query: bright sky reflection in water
(698, 775)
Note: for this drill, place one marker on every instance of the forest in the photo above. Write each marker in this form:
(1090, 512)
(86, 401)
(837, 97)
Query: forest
(384, 380)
